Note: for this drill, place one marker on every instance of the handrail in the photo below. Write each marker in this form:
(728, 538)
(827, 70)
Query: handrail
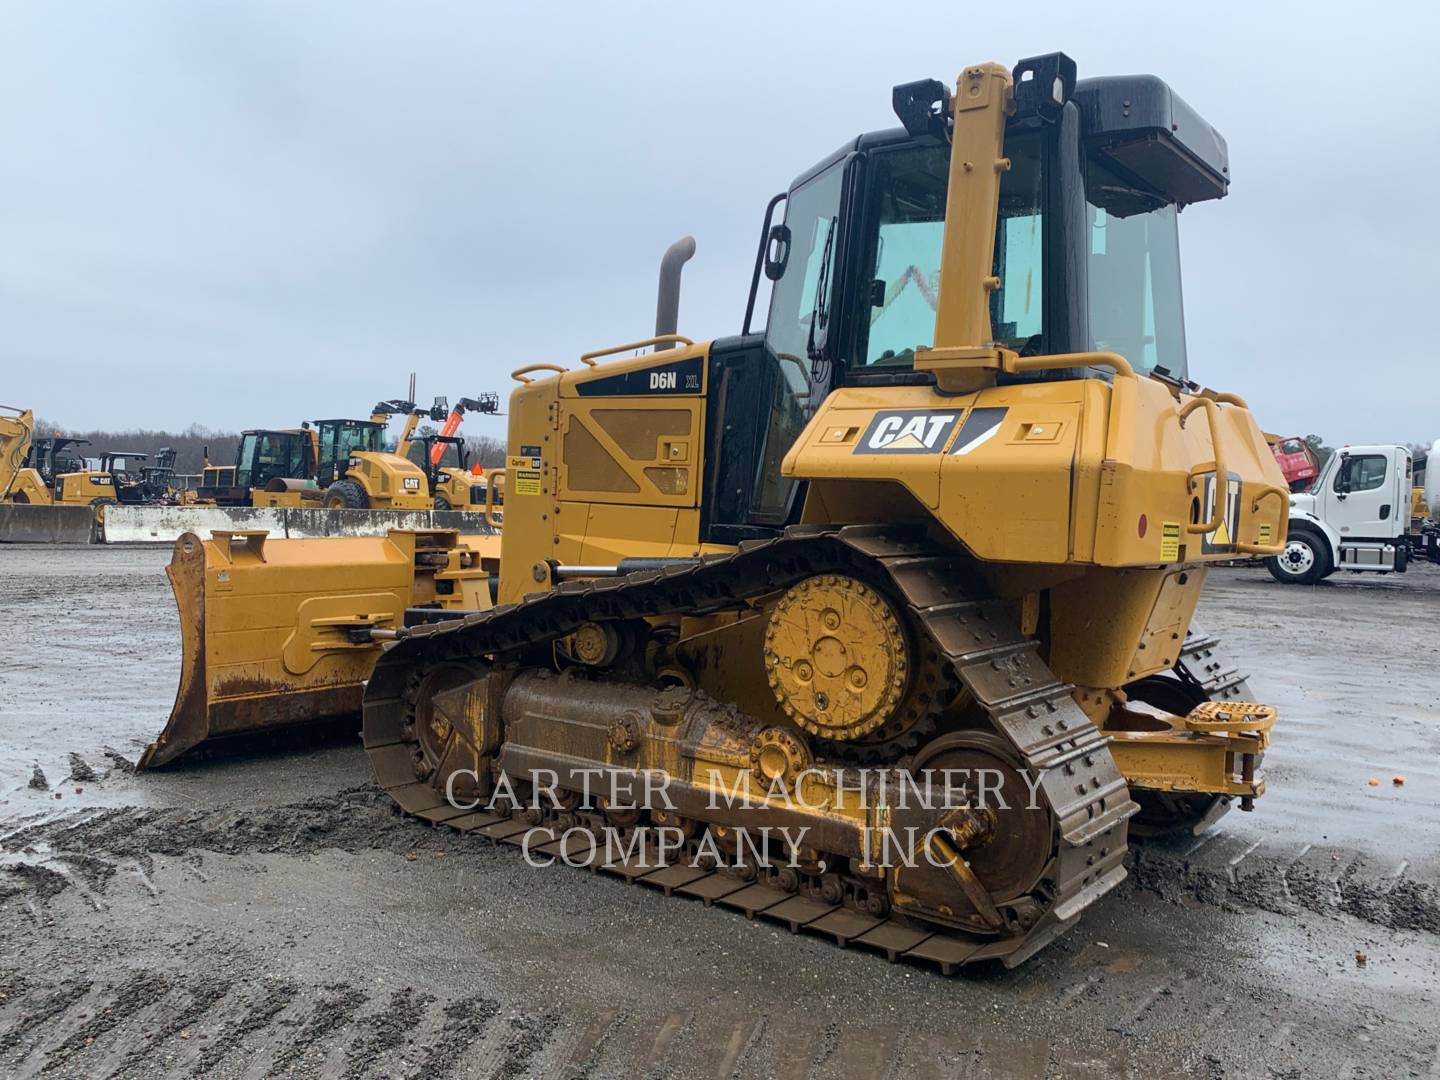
(678, 339)
(1222, 475)
(1013, 364)
(1266, 492)
(519, 373)
(1225, 398)
(491, 475)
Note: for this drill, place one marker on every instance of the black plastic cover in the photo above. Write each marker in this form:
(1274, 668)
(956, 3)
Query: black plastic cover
(1146, 132)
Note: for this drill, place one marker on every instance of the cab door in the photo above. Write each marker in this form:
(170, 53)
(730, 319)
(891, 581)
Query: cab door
(1361, 500)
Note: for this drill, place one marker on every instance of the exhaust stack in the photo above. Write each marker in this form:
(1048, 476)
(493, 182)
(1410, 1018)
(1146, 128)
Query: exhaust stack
(667, 305)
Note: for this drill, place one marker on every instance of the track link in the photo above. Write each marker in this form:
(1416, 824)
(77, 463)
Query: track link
(981, 644)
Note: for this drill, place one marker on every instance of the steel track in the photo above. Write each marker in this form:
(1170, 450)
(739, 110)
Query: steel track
(1083, 790)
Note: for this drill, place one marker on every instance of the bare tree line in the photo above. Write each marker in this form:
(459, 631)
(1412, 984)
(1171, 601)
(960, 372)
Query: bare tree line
(189, 445)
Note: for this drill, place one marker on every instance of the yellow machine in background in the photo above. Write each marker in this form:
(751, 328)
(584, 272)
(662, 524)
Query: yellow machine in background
(950, 512)
(338, 464)
(454, 483)
(42, 472)
(357, 472)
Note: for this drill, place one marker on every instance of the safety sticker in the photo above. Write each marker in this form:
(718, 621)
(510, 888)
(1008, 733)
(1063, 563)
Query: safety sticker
(1169, 541)
(1265, 533)
(524, 482)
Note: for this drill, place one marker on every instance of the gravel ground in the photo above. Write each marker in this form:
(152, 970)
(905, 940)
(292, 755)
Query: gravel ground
(271, 916)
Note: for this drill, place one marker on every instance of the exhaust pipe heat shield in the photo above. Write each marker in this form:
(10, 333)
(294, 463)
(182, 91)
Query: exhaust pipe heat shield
(268, 627)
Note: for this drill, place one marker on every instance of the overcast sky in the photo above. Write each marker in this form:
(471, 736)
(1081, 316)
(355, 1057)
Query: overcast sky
(248, 214)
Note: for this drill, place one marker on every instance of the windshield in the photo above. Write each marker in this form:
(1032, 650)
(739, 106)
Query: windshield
(1134, 263)
(266, 455)
(353, 436)
(908, 189)
(450, 456)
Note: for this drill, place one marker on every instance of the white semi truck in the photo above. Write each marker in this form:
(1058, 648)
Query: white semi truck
(1356, 516)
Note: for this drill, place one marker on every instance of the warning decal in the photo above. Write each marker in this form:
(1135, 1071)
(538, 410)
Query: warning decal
(523, 482)
(1170, 541)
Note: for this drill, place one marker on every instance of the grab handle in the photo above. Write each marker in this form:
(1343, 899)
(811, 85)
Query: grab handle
(491, 476)
(519, 373)
(1222, 476)
(674, 339)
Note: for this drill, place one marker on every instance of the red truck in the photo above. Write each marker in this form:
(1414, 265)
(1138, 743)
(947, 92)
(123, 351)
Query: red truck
(1297, 460)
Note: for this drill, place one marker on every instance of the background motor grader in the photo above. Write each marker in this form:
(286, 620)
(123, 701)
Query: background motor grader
(950, 512)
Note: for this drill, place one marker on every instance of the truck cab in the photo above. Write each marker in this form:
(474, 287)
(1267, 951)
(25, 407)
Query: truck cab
(1354, 517)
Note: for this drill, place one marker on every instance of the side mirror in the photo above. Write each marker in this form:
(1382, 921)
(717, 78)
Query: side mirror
(1342, 485)
(777, 251)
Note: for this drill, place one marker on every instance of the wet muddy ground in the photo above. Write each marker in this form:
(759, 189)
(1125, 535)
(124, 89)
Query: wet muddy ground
(271, 916)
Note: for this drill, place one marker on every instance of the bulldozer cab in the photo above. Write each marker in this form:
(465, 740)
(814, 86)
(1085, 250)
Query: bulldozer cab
(126, 481)
(50, 459)
(339, 440)
(1085, 259)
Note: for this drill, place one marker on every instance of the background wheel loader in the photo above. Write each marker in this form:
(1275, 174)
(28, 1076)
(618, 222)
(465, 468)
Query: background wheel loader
(950, 512)
(339, 464)
(356, 470)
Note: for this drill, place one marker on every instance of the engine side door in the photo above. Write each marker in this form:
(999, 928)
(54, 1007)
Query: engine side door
(630, 435)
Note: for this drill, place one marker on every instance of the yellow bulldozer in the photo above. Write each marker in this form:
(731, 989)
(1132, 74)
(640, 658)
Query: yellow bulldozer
(47, 472)
(947, 518)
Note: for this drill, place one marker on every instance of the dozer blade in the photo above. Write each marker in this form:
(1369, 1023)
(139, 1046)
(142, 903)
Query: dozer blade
(272, 633)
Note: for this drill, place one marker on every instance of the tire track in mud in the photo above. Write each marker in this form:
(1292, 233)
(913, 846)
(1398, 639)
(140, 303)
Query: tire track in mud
(124, 1031)
(52, 1004)
(384, 1033)
(355, 819)
(205, 996)
(274, 997)
(1397, 903)
(333, 1012)
(138, 992)
(41, 859)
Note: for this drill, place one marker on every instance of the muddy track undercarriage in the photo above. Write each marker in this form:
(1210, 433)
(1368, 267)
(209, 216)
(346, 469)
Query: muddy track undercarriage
(1024, 877)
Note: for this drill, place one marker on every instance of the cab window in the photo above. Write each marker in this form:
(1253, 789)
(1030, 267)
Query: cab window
(1360, 472)
(909, 188)
(905, 241)
(800, 307)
